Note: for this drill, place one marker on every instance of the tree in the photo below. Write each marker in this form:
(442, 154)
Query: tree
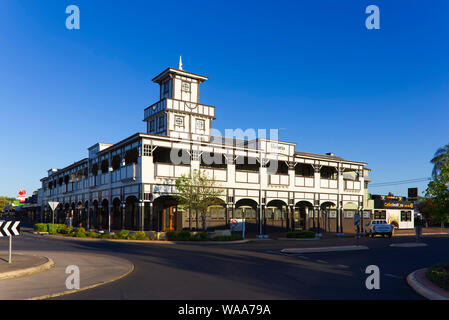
(438, 190)
(440, 157)
(196, 191)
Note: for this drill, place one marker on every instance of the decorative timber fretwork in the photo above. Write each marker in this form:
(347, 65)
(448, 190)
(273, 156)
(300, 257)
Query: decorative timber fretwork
(291, 165)
(316, 167)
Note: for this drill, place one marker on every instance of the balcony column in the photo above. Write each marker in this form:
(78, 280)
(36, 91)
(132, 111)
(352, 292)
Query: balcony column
(123, 205)
(151, 216)
(141, 215)
(292, 212)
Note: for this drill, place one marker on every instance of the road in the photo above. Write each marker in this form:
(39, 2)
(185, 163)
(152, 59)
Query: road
(255, 270)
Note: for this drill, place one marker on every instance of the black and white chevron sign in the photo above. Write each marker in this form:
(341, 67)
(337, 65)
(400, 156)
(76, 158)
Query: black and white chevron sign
(9, 228)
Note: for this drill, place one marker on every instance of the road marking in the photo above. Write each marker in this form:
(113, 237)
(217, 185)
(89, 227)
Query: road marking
(302, 257)
(322, 261)
(343, 266)
(392, 276)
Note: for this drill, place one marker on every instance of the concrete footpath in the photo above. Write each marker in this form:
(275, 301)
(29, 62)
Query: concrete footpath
(95, 270)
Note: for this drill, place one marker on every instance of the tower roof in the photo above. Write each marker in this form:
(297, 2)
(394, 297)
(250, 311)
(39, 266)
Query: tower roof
(164, 74)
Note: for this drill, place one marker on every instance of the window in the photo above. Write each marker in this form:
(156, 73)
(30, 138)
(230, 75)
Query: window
(367, 214)
(131, 156)
(406, 216)
(147, 150)
(152, 125)
(304, 170)
(179, 121)
(333, 214)
(116, 162)
(349, 214)
(161, 122)
(380, 214)
(200, 125)
(186, 87)
(328, 173)
(217, 212)
(104, 166)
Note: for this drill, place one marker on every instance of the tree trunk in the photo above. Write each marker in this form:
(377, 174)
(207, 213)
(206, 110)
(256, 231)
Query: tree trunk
(204, 222)
(196, 220)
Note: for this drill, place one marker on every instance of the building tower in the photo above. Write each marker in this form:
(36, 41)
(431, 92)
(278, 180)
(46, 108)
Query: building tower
(178, 113)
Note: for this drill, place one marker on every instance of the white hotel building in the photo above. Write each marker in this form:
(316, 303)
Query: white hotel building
(130, 184)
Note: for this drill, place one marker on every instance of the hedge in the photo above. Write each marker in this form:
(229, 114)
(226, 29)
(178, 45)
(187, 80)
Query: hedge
(301, 234)
(439, 275)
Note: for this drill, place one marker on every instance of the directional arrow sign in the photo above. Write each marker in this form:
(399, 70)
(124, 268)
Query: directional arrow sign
(9, 228)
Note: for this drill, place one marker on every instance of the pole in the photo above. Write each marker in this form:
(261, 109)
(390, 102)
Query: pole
(10, 249)
(53, 221)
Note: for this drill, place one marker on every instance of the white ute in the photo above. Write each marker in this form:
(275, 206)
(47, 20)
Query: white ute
(379, 227)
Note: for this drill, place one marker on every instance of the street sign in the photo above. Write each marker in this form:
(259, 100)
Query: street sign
(237, 224)
(53, 205)
(9, 228)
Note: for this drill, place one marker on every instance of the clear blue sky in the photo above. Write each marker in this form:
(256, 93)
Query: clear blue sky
(310, 68)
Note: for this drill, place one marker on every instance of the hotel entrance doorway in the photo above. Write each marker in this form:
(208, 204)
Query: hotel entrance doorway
(169, 218)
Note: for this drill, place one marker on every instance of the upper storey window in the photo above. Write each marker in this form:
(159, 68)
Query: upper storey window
(186, 87)
(165, 89)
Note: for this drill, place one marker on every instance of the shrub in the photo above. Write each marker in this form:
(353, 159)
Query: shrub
(109, 236)
(171, 235)
(79, 233)
(138, 235)
(439, 275)
(183, 235)
(93, 235)
(123, 234)
(200, 236)
(40, 227)
(300, 234)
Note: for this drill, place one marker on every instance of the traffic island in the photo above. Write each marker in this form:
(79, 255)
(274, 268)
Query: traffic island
(408, 245)
(324, 249)
(23, 265)
(94, 270)
(424, 287)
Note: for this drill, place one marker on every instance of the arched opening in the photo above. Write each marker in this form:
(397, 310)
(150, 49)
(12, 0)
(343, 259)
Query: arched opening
(247, 209)
(350, 209)
(64, 214)
(131, 213)
(85, 215)
(116, 217)
(77, 214)
(304, 212)
(276, 216)
(166, 214)
(95, 215)
(329, 216)
(217, 215)
(104, 215)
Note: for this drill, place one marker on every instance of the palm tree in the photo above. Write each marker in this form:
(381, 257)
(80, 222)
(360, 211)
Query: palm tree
(439, 158)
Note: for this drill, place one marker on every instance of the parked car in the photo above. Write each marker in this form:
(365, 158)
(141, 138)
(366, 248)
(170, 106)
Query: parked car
(379, 227)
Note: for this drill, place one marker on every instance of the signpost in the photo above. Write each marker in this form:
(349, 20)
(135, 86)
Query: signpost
(357, 225)
(9, 229)
(53, 205)
(238, 225)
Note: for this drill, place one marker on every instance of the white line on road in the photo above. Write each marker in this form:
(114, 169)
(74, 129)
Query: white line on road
(392, 276)
(322, 261)
(343, 266)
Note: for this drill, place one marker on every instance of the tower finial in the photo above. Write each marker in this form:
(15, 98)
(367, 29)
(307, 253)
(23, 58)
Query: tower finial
(180, 63)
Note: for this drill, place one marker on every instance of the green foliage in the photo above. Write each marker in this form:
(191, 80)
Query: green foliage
(301, 234)
(183, 236)
(40, 227)
(79, 233)
(438, 191)
(109, 236)
(138, 235)
(171, 235)
(439, 275)
(123, 234)
(197, 191)
(93, 234)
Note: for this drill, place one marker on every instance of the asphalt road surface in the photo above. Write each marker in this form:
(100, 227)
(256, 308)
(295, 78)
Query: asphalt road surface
(255, 270)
